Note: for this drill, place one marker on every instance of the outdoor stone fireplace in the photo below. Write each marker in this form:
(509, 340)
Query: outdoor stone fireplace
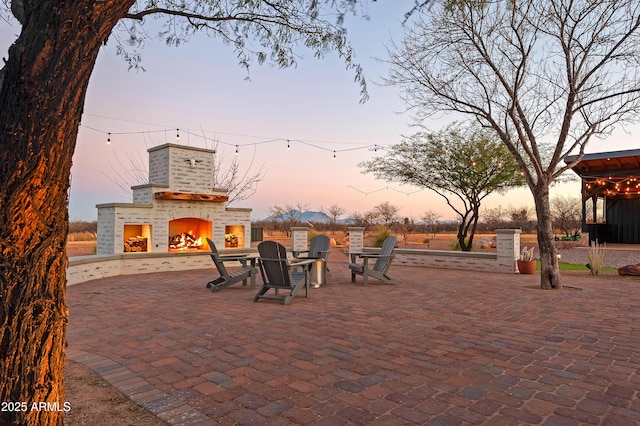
(176, 211)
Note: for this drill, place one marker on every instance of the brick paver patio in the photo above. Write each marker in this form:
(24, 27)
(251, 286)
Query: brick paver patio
(442, 347)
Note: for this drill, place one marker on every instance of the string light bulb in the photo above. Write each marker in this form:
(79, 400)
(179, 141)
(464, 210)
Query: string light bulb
(177, 135)
(288, 145)
(334, 155)
(237, 150)
(108, 139)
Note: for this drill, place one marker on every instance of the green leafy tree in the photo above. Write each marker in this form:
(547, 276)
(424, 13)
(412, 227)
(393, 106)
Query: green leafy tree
(461, 164)
(546, 76)
(43, 85)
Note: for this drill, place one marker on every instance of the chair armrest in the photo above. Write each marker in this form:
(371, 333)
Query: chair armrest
(270, 258)
(233, 257)
(303, 263)
(298, 262)
(376, 256)
(240, 258)
(353, 256)
(299, 252)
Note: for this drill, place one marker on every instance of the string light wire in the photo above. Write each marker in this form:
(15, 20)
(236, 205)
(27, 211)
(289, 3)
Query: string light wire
(388, 188)
(237, 146)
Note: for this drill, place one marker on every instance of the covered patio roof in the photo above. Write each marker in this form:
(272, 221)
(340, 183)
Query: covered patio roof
(613, 173)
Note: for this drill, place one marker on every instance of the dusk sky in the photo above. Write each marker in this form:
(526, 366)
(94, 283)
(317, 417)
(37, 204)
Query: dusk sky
(199, 89)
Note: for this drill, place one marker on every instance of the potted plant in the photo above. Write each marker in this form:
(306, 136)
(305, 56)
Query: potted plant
(526, 264)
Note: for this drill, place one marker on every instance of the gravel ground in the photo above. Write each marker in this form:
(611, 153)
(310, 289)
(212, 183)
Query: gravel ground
(612, 257)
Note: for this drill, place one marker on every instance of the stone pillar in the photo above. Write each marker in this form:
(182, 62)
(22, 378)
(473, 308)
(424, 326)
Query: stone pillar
(299, 238)
(584, 239)
(356, 239)
(508, 245)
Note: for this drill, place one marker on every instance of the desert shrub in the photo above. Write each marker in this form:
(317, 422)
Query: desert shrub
(82, 236)
(380, 236)
(82, 226)
(455, 245)
(596, 258)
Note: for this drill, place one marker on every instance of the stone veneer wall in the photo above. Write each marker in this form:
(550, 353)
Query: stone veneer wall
(504, 261)
(106, 230)
(87, 268)
(483, 262)
(173, 168)
(233, 216)
(113, 217)
(143, 194)
(184, 169)
(111, 221)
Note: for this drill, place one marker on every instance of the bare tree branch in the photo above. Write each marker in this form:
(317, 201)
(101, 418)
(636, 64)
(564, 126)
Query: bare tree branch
(258, 30)
(547, 76)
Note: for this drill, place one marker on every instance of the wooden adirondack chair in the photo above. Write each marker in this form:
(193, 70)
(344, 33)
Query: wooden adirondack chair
(380, 268)
(318, 249)
(277, 274)
(226, 278)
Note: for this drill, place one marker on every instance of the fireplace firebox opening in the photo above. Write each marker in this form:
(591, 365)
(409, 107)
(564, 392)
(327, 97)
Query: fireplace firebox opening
(189, 234)
(234, 236)
(137, 238)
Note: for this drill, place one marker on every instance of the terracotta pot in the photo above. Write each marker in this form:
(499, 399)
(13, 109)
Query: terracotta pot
(527, 266)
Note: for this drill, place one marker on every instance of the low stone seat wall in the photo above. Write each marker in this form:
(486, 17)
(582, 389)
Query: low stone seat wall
(504, 261)
(86, 268)
(486, 262)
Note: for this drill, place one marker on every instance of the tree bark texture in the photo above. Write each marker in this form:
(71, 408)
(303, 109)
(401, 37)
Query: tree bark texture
(466, 223)
(41, 102)
(549, 269)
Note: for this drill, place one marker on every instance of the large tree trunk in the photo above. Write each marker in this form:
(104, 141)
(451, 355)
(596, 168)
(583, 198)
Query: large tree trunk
(466, 222)
(549, 269)
(41, 101)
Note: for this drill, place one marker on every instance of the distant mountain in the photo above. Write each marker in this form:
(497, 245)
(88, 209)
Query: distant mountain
(317, 217)
(313, 217)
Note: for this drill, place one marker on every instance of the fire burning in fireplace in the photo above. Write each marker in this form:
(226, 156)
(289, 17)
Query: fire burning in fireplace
(189, 233)
(185, 241)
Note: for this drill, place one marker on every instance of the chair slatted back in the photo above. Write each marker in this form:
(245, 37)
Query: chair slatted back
(274, 264)
(319, 246)
(383, 264)
(215, 256)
